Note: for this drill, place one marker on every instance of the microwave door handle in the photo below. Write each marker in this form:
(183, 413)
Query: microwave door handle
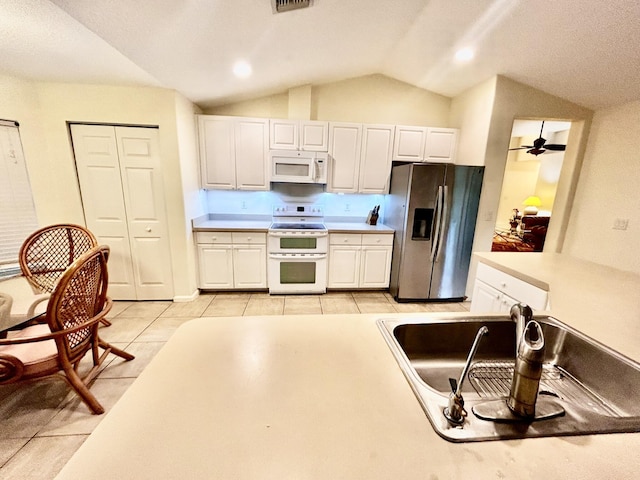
(436, 234)
(443, 219)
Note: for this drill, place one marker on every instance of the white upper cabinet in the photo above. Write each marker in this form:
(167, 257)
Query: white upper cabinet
(308, 135)
(234, 152)
(375, 158)
(441, 145)
(425, 144)
(345, 140)
(409, 143)
(217, 152)
(360, 157)
(252, 156)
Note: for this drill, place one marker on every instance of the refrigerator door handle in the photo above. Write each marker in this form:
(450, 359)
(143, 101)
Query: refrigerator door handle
(443, 218)
(438, 224)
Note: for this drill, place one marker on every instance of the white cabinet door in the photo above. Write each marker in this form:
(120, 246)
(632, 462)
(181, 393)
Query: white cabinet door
(487, 299)
(250, 266)
(409, 142)
(252, 153)
(375, 159)
(283, 134)
(440, 145)
(217, 152)
(215, 266)
(375, 266)
(344, 266)
(314, 136)
(344, 148)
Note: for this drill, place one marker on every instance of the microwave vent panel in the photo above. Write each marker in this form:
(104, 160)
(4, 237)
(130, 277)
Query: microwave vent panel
(280, 6)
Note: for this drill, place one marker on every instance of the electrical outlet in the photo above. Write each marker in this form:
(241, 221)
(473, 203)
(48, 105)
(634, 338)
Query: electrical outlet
(244, 205)
(620, 223)
(488, 217)
(347, 207)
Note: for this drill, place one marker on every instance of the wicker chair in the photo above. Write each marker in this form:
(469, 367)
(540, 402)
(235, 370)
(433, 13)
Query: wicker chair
(48, 252)
(77, 304)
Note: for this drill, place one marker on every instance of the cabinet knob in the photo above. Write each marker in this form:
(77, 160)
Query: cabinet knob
(148, 229)
(503, 284)
(214, 238)
(248, 239)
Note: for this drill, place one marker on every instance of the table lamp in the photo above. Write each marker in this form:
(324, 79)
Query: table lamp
(531, 205)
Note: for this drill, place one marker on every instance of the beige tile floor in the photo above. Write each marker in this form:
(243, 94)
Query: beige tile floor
(43, 423)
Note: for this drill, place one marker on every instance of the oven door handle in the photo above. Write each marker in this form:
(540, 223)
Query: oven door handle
(288, 234)
(297, 256)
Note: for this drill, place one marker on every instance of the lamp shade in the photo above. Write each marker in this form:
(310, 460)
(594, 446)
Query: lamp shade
(531, 205)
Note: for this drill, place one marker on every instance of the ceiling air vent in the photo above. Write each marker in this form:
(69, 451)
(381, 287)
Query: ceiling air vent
(280, 6)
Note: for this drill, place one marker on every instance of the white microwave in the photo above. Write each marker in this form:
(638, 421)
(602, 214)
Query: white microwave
(298, 167)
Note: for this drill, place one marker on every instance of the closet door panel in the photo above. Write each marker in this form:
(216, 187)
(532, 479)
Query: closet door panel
(98, 170)
(144, 202)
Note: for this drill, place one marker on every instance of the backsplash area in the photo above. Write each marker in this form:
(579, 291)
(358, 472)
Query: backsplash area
(261, 203)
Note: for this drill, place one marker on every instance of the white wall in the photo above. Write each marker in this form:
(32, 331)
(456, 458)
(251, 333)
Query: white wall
(368, 99)
(43, 110)
(608, 189)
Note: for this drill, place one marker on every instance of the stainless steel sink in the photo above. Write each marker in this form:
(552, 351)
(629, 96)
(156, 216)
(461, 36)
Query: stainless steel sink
(596, 386)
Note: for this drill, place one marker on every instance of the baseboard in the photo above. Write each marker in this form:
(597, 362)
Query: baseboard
(186, 298)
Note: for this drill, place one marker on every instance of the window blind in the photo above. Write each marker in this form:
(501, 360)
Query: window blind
(17, 212)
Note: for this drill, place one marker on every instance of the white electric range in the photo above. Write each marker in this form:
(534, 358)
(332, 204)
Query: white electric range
(297, 247)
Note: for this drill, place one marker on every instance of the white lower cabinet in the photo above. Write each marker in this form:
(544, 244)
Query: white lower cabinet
(497, 291)
(360, 260)
(232, 260)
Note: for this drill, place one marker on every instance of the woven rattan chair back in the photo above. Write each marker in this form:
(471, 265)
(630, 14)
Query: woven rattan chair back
(47, 253)
(78, 297)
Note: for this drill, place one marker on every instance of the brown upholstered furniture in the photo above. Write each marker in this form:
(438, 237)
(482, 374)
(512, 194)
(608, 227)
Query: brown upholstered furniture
(76, 306)
(534, 230)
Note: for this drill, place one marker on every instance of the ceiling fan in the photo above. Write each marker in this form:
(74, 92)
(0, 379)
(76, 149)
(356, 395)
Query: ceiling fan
(540, 146)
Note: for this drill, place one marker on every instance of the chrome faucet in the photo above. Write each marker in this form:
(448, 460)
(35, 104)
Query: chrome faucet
(521, 314)
(529, 359)
(455, 412)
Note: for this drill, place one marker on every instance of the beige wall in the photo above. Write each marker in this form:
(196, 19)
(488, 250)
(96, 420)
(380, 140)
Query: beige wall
(471, 113)
(608, 190)
(369, 99)
(43, 110)
(516, 100)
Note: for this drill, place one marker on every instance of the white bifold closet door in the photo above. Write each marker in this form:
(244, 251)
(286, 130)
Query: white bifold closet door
(123, 200)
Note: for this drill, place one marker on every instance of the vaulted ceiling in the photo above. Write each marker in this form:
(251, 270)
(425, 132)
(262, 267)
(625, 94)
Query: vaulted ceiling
(584, 51)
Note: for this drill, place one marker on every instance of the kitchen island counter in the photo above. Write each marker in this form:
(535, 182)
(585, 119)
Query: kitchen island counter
(600, 301)
(304, 396)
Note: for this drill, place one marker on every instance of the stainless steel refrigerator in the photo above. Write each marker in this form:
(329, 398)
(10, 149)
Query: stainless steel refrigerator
(433, 210)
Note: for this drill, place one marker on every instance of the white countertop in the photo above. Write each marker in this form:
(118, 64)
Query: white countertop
(307, 397)
(255, 223)
(600, 301)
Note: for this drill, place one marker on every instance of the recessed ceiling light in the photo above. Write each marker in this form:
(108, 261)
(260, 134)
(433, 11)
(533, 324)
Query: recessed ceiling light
(464, 54)
(242, 69)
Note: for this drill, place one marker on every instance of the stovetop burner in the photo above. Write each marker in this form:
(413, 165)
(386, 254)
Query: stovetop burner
(297, 226)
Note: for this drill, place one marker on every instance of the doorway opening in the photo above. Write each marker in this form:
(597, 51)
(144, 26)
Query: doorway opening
(532, 172)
